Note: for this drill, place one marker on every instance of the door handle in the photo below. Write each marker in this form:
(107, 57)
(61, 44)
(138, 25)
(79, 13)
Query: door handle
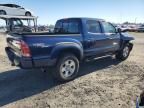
(90, 39)
(112, 34)
(109, 38)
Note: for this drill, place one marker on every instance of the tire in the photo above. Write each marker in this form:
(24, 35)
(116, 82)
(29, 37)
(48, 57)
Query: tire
(141, 99)
(67, 68)
(2, 12)
(124, 53)
(28, 14)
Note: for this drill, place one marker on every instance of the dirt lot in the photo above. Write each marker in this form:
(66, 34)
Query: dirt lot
(104, 83)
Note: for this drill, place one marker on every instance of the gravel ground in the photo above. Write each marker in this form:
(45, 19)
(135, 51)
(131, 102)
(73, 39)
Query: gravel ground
(104, 83)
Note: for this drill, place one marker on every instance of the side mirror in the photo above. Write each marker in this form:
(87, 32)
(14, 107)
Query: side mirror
(119, 30)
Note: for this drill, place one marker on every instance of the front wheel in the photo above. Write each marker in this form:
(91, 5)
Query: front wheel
(28, 14)
(67, 67)
(124, 53)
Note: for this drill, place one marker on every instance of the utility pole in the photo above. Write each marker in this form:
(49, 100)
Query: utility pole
(135, 20)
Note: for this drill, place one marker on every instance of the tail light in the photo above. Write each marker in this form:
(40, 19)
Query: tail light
(25, 49)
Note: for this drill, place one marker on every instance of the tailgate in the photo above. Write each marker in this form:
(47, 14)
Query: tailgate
(15, 53)
(13, 42)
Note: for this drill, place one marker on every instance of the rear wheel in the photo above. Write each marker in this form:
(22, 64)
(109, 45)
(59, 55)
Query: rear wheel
(124, 53)
(67, 68)
(2, 12)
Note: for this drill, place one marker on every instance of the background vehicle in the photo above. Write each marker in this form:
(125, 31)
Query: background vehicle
(124, 28)
(140, 28)
(18, 23)
(73, 40)
(12, 9)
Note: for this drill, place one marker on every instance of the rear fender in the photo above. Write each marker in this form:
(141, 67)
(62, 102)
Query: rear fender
(65, 47)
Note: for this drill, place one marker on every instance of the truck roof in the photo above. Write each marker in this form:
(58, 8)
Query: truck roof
(83, 18)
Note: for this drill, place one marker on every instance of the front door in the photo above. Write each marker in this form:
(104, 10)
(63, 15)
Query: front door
(112, 35)
(96, 42)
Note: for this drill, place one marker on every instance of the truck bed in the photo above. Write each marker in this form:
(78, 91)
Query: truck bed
(43, 33)
(41, 45)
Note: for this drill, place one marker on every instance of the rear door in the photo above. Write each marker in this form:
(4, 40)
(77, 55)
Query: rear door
(112, 36)
(12, 9)
(8, 8)
(95, 42)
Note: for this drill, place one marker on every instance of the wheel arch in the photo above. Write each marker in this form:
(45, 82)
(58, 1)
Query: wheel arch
(74, 49)
(28, 12)
(125, 42)
(4, 11)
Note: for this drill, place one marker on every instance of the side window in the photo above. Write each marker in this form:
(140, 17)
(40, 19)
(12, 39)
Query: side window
(17, 22)
(93, 26)
(9, 5)
(16, 6)
(108, 28)
(65, 27)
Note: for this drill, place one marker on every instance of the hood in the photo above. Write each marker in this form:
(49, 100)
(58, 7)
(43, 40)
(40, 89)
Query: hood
(127, 36)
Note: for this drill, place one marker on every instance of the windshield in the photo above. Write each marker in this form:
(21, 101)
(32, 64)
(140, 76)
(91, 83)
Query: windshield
(17, 6)
(17, 22)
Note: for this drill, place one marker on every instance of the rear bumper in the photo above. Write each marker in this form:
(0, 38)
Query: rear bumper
(29, 63)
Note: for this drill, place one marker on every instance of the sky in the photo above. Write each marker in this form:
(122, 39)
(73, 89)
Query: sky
(116, 11)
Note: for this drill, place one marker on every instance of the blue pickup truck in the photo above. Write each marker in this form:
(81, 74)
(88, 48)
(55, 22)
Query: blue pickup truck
(73, 41)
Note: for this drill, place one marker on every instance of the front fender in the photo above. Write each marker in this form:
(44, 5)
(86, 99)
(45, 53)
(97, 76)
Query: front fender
(71, 47)
(125, 39)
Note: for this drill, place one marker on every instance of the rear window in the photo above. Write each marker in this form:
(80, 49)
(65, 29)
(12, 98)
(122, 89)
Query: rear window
(67, 27)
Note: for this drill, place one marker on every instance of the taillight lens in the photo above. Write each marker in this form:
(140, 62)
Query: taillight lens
(25, 49)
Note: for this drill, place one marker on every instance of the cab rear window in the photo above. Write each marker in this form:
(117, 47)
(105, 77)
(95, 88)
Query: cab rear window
(67, 27)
